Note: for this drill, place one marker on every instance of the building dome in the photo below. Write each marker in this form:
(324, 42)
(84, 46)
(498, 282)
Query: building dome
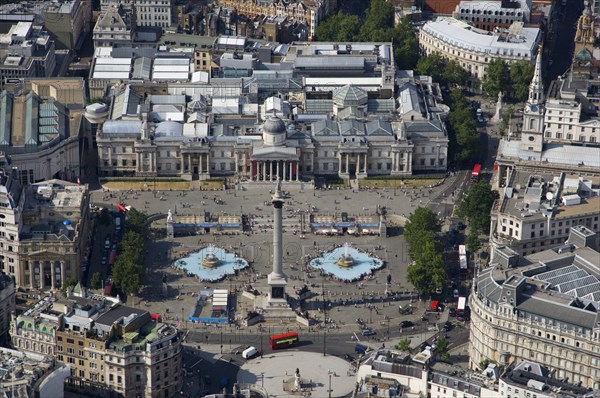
(274, 125)
(350, 95)
(274, 131)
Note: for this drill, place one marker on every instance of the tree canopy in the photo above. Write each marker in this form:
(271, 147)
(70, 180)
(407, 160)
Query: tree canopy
(441, 70)
(443, 349)
(422, 219)
(476, 205)
(521, 74)
(462, 129)
(426, 272)
(403, 345)
(377, 26)
(128, 267)
(338, 27)
(497, 78)
(96, 281)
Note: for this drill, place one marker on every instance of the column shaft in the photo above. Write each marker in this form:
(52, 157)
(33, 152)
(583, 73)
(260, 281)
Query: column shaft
(42, 275)
(291, 170)
(32, 265)
(271, 170)
(298, 171)
(62, 273)
(347, 163)
(52, 276)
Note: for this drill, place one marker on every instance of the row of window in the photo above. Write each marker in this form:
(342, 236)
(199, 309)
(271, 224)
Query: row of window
(490, 12)
(569, 136)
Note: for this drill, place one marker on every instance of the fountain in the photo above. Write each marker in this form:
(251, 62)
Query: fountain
(210, 260)
(345, 260)
(211, 263)
(346, 263)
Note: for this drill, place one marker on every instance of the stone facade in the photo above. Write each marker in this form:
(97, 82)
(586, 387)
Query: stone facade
(473, 48)
(525, 309)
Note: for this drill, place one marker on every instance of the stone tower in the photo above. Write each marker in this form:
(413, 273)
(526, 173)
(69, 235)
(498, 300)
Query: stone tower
(532, 137)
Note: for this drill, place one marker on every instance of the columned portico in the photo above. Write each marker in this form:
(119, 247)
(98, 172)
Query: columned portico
(270, 170)
(195, 165)
(352, 164)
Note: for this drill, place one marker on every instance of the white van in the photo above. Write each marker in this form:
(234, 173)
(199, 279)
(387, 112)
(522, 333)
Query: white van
(249, 353)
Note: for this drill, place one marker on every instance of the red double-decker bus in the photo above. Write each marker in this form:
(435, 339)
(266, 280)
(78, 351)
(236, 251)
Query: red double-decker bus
(284, 340)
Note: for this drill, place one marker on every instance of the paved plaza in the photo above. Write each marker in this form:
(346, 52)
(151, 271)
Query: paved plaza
(366, 300)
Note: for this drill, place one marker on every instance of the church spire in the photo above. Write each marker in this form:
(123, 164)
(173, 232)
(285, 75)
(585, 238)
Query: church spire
(536, 87)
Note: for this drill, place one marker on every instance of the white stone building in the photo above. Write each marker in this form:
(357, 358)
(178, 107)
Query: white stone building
(474, 48)
(543, 308)
(114, 28)
(153, 13)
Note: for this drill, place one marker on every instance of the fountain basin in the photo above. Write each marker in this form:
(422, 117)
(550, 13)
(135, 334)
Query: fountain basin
(211, 264)
(346, 263)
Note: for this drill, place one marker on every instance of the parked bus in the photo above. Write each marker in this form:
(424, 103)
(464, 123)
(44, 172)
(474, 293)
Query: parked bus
(476, 171)
(462, 257)
(462, 311)
(284, 340)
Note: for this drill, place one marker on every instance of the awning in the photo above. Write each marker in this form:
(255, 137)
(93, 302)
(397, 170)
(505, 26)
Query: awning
(372, 225)
(319, 225)
(344, 224)
(230, 225)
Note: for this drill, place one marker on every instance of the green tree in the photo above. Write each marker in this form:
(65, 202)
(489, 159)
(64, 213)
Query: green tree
(403, 345)
(427, 273)
(521, 74)
(476, 205)
(406, 45)
(338, 27)
(69, 282)
(497, 78)
(454, 74)
(432, 65)
(380, 16)
(136, 221)
(473, 241)
(96, 281)
(418, 242)
(484, 363)
(462, 129)
(127, 275)
(422, 219)
(442, 348)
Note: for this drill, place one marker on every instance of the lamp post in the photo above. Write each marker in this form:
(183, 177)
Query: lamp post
(329, 389)
(221, 341)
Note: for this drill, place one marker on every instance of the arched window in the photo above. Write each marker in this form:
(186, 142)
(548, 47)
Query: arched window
(532, 124)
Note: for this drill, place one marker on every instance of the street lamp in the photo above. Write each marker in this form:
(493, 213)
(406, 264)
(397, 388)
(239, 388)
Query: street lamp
(329, 389)
(221, 341)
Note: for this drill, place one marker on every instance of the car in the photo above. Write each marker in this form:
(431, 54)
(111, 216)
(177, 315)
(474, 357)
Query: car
(406, 324)
(368, 332)
(452, 311)
(455, 293)
(447, 326)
